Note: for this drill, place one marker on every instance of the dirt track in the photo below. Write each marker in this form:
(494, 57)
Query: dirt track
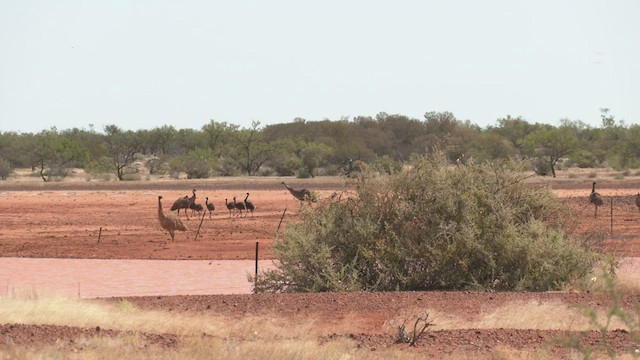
(64, 220)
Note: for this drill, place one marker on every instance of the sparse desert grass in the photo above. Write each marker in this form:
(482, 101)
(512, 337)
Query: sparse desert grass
(205, 348)
(255, 337)
(124, 316)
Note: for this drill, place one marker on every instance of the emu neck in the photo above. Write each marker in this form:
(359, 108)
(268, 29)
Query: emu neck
(160, 212)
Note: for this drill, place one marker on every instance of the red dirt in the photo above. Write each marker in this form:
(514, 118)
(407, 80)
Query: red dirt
(63, 220)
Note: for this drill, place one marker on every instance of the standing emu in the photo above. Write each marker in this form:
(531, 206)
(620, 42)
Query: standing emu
(210, 206)
(169, 222)
(249, 205)
(184, 203)
(230, 206)
(181, 203)
(595, 199)
(196, 208)
(302, 194)
(238, 205)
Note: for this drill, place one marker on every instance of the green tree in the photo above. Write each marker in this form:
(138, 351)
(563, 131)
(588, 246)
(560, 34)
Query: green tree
(218, 135)
(122, 147)
(551, 144)
(158, 140)
(54, 154)
(312, 155)
(5, 168)
(513, 129)
(613, 140)
(197, 164)
(249, 151)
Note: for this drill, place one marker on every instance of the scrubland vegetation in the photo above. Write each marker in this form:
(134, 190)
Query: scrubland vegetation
(309, 148)
(434, 226)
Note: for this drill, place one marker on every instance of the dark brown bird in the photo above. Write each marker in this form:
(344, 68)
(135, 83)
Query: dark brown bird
(238, 205)
(595, 199)
(184, 203)
(196, 208)
(181, 203)
(230, 206)
(169, 222)
(249, 205)
(210, 206)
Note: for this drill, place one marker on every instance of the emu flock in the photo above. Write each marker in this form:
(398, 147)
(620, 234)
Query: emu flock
(173, 223)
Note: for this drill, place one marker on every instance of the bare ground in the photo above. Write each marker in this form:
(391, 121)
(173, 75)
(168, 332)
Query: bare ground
(118, 221)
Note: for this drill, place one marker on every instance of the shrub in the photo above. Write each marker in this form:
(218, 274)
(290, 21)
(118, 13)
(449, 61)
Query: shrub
(131, 177)
(434, 226)
(5, 168)
(408, 326)
(197, 164)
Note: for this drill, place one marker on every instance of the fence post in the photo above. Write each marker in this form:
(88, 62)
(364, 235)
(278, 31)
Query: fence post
(611, 216)
(255, 279)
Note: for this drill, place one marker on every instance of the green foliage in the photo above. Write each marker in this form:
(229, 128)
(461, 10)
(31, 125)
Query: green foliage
(5, 168)
(435, 226)
(218, 135)
(551, 144)
(197, 164)
(385, 142)
(52, 154)
(312, 156)
(122, 148)
(249, 150)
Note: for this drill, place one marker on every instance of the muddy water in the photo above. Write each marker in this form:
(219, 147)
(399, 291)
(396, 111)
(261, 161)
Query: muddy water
(89, 278)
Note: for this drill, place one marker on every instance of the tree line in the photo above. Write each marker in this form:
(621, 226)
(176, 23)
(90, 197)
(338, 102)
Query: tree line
(310, 148)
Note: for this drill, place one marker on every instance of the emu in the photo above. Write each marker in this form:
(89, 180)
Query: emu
(249, 205)
(169, 222)
(302, 194)
(595, 199)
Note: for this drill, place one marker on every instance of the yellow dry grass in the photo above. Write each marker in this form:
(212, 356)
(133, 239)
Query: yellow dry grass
(251, 337)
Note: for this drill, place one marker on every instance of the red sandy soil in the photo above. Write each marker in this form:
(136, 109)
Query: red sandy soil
(64, 219)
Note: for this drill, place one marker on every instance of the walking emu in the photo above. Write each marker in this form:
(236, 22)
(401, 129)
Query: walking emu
(230, 206)
(238, 205)
(302, 194)
(169, 222)
(595, 199)
(210, 206)
(184, 203)
(249, 205)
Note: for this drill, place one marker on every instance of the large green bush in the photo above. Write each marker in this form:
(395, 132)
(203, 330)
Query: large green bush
(435, 226)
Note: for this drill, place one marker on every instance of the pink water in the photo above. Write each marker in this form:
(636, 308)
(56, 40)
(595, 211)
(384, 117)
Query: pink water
(89, 278)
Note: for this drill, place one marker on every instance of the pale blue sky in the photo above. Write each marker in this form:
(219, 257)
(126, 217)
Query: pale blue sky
(147, 63)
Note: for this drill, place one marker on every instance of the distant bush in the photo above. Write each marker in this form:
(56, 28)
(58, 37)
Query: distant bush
(5, 168)
(434, 226)
(303, 173)
(131, 177)
(197, 164)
